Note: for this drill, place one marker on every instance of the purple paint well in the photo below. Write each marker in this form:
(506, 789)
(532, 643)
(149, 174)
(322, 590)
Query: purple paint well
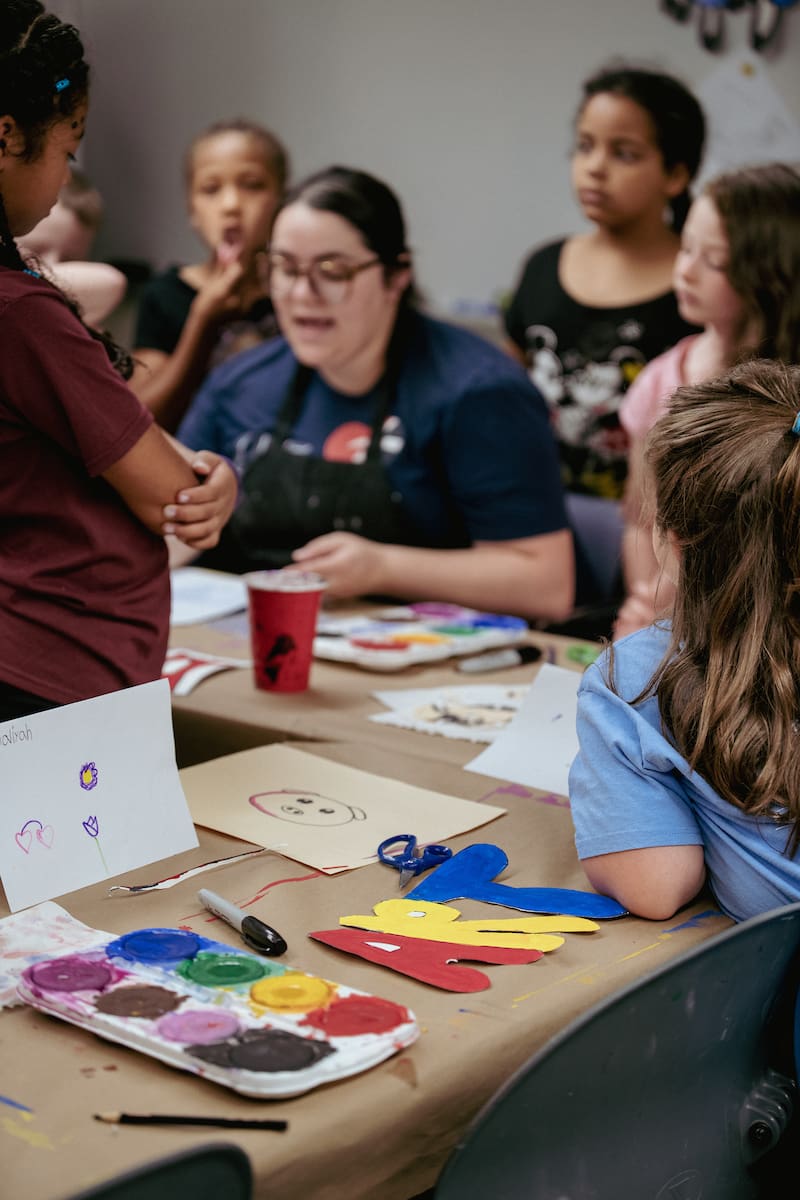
(71, 974)
(198, 1026)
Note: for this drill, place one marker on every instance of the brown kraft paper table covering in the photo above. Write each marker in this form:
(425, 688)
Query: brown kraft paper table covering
(382, 1135)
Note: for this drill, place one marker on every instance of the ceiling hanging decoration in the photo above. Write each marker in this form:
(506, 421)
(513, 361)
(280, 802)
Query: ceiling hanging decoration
(765, 19)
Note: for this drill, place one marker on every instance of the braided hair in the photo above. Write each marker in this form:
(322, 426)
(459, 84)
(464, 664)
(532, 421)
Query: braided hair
(44, 79)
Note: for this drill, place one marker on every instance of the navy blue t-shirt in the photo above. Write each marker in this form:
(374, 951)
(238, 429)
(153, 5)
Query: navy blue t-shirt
(467, 444)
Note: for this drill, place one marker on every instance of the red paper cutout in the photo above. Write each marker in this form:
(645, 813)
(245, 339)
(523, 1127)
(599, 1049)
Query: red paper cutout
(430, 962)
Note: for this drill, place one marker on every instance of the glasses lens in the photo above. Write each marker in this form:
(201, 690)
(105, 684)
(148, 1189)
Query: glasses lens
(283, 274)
(331, 279)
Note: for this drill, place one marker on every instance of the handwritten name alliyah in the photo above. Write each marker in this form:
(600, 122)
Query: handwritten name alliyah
(9, 736)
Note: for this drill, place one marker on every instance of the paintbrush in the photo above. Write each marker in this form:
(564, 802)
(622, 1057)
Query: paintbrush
(120, 1118)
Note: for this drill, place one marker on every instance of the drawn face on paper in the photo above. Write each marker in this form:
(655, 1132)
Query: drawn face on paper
(306, 808)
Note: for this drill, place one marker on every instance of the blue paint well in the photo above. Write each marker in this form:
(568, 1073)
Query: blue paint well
(159, 946)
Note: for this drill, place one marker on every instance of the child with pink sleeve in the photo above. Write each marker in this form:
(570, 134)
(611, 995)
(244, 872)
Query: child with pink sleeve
(737, 274)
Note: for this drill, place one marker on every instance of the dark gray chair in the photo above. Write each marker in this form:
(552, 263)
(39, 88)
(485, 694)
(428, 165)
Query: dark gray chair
(597, 526)
(214, 1171)
(680, 1087)
(597, 529)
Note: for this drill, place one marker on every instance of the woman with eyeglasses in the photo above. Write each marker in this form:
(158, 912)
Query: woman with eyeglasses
(394, 454)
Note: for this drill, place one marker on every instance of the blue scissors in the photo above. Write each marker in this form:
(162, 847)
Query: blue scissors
(412, 860)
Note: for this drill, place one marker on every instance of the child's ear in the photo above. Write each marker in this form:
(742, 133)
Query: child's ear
(402, 275)
(677, 180)
(12, 140)
(6, 124)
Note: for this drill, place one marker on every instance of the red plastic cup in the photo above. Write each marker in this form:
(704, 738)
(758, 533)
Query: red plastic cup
(283, 607)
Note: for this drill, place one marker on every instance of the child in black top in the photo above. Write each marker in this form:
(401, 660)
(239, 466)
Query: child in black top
(191, 318)
(590, 310)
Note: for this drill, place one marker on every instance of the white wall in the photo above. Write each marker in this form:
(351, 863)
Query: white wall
(463, 106)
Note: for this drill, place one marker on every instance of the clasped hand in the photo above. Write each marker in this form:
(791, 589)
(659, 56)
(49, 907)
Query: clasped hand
(200, 513)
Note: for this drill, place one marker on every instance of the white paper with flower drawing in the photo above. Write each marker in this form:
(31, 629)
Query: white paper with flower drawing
(89, 790)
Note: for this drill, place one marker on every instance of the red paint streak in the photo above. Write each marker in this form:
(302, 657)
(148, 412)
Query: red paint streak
(207, 917)
(277, 882)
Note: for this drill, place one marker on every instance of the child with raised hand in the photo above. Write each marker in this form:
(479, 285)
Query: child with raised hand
(737, 275)
(590, 310)
(688, 766)
(191, 318)
(86, 477)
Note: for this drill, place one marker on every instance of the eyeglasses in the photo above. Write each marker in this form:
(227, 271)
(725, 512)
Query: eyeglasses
(330, 279)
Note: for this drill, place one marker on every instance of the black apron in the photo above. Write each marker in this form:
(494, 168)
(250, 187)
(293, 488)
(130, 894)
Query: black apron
(290, 498)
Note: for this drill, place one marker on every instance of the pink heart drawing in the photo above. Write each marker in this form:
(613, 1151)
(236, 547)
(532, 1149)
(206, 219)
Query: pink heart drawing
(24, 840)
(45, 835)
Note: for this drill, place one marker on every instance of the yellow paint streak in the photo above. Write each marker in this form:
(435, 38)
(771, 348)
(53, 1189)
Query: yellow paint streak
(644, 949)
(34, 1137)
(553, 983)
(584, 971)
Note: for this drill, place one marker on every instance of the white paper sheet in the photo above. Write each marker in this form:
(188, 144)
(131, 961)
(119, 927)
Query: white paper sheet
(538, 747)
(199, 595)
(89, 790)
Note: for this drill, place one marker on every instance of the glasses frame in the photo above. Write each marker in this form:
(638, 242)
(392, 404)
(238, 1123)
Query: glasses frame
(310, 272)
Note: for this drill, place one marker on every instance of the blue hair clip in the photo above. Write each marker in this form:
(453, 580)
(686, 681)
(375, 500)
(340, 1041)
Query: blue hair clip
(61, 84)
(796, 426)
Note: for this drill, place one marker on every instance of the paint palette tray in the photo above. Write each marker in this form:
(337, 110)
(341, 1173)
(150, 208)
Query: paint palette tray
(250, 1023)
(418, 633)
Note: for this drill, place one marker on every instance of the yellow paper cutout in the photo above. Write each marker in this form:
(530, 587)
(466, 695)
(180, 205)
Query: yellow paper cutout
(433, 922)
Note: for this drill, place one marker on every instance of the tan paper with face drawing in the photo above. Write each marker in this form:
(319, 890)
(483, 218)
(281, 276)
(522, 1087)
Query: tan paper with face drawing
(318, 812)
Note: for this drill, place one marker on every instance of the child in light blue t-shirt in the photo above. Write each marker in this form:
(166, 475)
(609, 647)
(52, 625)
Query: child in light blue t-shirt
(688, 769)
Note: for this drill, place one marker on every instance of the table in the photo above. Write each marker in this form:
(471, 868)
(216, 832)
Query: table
(226, 712)
(383, 1135)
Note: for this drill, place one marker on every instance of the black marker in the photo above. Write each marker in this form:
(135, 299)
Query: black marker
(496, 660)
(258, 936)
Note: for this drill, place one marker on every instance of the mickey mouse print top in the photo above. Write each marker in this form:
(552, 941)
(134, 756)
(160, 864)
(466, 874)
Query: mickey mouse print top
(583, 359)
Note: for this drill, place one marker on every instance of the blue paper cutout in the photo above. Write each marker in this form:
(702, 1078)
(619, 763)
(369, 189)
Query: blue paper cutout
(470, 874)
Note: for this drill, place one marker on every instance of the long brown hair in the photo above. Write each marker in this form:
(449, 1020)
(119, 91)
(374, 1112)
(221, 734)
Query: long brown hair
(726, 472)
(760, 210)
